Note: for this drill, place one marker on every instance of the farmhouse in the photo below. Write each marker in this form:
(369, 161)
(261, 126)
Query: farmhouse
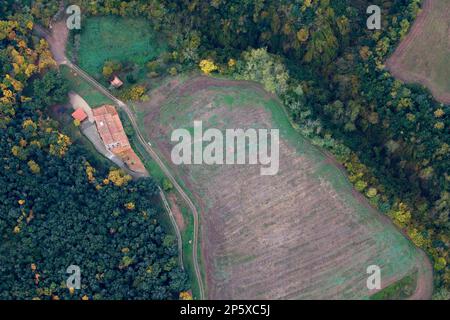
(113, 135)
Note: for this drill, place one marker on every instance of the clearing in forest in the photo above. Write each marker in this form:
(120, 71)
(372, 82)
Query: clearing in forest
(125, 40)
(424, 55)
(300, 234)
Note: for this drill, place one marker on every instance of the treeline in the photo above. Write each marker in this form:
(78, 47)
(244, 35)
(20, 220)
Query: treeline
(328, 68)
(57, 208)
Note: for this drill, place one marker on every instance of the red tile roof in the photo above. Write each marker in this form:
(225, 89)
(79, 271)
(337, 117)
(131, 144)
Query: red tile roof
(113, 135)
(116, 82)
(79, 114)
(110, 127)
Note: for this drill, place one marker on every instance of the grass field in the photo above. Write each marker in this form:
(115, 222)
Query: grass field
(120, 39)
(424, 55)
(92, 96)
(299, 234)
(399, 290)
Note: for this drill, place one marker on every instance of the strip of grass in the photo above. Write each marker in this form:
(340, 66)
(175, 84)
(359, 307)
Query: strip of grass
(92, 96)
(188, 235)
(399, 290)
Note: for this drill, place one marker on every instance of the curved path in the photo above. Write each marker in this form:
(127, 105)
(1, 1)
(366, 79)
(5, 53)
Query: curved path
(61, 59)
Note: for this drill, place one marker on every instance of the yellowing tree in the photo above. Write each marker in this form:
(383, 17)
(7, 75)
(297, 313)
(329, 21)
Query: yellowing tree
(62, 145)
(135, 93)
(19, 152)
(365, 53)
(360, 185)
(306, 4)
(263, 67)
(118, 177)
(302, 35)
(372, 192)
(440, 263)
(16, 84)
(439, 125)
(184, 295)
(401, 215)
(417, 238)
(107, 71)
(130, 206)
(29, 125)
(207, 66)
(34, 167)
(439, 113)
(231, 63)
(90, 171)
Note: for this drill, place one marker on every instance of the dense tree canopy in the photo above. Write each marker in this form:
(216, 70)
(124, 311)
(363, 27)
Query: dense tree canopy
(56, 209)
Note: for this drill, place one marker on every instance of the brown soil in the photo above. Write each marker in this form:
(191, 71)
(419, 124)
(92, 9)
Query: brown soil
(275, 237)
(424, 286)
(397, 63)
(58, 40)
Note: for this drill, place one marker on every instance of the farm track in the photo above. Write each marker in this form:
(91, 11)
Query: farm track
(58, 50)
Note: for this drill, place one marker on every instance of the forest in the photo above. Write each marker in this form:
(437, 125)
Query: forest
(319, 57)
(59, 207)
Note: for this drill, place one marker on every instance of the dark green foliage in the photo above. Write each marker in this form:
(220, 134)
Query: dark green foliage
(73, 223)
(50, 89)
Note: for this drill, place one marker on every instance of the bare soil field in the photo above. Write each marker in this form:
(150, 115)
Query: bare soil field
(424, 55)
(300, 234)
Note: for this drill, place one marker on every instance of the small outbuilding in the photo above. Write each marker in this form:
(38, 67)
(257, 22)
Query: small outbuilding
(79, 114)
(116, 82)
